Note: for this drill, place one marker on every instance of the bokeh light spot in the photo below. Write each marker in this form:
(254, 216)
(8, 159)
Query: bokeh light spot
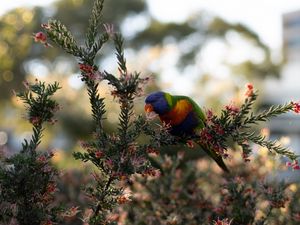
(8, 76)
(27, 16)
(38, 68)
(77, 2)
(75, 82)
(3, 48)
(11, 19)
(3, 138)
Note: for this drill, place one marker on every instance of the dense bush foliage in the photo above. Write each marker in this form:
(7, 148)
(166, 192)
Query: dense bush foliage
(128, 182)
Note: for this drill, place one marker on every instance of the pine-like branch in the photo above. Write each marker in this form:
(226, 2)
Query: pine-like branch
(272, 146)
(273, 111)
(40, 109)
(235, 123)
(119, 41)
(25, 183)
(60, 35)
(94, 23)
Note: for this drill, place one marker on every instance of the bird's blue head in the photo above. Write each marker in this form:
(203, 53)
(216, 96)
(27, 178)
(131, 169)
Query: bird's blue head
(159, 102)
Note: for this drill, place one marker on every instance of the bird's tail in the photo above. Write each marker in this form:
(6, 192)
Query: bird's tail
(218, 159)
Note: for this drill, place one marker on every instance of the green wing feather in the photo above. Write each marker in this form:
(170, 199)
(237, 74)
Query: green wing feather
(217, 158)
(199, 112)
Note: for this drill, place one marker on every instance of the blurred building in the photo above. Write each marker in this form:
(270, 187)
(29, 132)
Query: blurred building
(287, 88)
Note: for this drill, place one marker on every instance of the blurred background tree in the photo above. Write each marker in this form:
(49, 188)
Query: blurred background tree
(162, 49)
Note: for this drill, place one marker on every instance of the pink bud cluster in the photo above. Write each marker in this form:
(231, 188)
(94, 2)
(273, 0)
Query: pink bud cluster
(71, 212)
(109, 29)
(233, 110)
(250, 89)
(190, 144)
(89, 72)
(122, 199)
(296, 107)
(42, 38)
(35, 121)
(153, 151)
(44, 158)
(97, 153)
(222, 222)
(151, 172)
(294, 165)
(209, 136)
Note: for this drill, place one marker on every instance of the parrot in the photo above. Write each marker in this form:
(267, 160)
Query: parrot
(183, 115)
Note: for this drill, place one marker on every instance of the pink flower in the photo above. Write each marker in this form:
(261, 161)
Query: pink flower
(294, 165)
(45, 26)
(151, 172)
(209, 114)
(47, 169)
(99, 76)
(109, 163)
(151, 150)
(41, 37)
(85, 145)
(206, 137)
(90, 73)
(132, 148)
(35, 121)
(109, 29)
(249, 90)
(51, 187)
(41, 159)
(222, 222)
(99, 154)
(122, 199)
(219, 129)
(137, 161)
(296, 107)
(71, 212)
(233, 110)
(86, 68)
(190, 144)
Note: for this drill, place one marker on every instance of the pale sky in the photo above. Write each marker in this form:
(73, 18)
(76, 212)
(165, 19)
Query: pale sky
(263, 16)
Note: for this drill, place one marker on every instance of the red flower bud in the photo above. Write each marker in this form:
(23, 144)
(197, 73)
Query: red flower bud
(249, 90)
(190, 144)
(296, 107)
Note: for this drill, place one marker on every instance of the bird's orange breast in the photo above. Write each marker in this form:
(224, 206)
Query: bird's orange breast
(178, 113)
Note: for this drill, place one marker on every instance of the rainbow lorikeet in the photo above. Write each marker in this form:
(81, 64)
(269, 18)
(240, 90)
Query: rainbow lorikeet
(183, 115)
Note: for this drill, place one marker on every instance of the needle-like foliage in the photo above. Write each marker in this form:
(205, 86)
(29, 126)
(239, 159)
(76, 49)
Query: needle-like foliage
(27, 180)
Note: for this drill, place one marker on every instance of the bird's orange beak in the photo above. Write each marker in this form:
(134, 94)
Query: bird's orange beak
(150, 114)
(148, 108)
